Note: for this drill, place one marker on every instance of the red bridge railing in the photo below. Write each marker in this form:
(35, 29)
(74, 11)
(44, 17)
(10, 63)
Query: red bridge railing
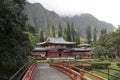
(28, 74)
(73, 72)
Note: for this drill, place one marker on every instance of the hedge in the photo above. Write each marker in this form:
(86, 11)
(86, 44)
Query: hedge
(101, 65)
(118, 64)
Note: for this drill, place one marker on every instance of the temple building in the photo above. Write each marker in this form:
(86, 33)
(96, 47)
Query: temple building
(83, 51)
(53, 48)
(58, 48)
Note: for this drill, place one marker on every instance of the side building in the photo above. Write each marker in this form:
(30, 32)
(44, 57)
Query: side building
(83, 51)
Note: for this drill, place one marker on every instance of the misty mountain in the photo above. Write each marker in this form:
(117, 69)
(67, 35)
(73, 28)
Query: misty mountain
(40, 17)
(84, 20)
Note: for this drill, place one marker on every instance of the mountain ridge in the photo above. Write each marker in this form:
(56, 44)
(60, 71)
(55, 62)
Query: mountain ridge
(41, 18)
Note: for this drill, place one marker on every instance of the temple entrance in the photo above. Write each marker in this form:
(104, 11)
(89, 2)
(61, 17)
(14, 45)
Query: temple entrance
(59, 51)
(59, 54)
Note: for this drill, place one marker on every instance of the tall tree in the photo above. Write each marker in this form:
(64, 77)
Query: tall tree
(103, 31)
(68, 35)
(88, 34)
(53, 31)
(41, 36)
(60, 30)
(73, 32)
(77, 38)
(15, 43)
(94, 34)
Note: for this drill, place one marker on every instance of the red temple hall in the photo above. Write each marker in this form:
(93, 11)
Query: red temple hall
(58, 48)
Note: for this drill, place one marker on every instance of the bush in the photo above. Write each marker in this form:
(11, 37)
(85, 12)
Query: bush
(88, 68)
(118, 64)
(51, 61)
(78, 57)
(101, 65)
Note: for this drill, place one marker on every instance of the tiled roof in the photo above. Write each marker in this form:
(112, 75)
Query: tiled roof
(84, 44)
(39, 49)
(81, 49)
(54, 40)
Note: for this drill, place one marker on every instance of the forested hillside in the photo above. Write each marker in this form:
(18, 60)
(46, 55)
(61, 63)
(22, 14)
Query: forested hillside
(41, 18)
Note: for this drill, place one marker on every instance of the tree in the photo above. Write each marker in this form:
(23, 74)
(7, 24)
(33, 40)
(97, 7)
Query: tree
(41, 36)
(111, 42)
(77, 38)
(15, 42)
(68, 32)
(53, 31)
(59, 30)
(88, 34)
(103, 31)
(99, 51)
(94, 34)
(30, 28)
(73, 32)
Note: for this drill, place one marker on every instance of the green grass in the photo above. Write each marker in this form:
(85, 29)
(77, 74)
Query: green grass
(42, 61)
(113, 65)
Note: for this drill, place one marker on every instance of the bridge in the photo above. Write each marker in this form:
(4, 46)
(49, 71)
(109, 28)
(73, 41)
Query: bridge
(56, 71)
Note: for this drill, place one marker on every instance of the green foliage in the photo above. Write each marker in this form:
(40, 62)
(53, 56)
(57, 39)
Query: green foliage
(111, 42)
(99, 51)
(118, 64)
(41, 36)
(51, 61)
(95, 34)
(30, 28)
(59, 30)
(30, 58)
(88, 34)
(101, 65)
(116, 74)
(103, 31)
(16, 38)
(69, 33)
(78, 57)
(53, 31)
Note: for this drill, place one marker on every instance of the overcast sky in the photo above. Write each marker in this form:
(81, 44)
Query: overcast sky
(106, 10)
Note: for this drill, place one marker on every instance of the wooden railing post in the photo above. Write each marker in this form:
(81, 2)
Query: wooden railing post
(82, 75)
(75, 77)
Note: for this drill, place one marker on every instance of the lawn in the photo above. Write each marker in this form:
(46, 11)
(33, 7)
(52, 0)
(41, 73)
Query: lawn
(113, 65)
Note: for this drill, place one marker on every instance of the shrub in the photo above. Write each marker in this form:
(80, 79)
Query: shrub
(101, 65)
(118, 64)
(51, 60)
(88, 68)
(78, 57)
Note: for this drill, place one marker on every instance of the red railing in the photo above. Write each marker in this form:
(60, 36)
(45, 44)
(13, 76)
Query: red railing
(73, 72)
(28, 74)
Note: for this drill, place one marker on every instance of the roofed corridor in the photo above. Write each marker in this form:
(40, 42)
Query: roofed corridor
(44, 72)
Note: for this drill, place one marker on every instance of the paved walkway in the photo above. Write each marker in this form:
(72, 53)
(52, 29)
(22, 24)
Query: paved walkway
(44, 72)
